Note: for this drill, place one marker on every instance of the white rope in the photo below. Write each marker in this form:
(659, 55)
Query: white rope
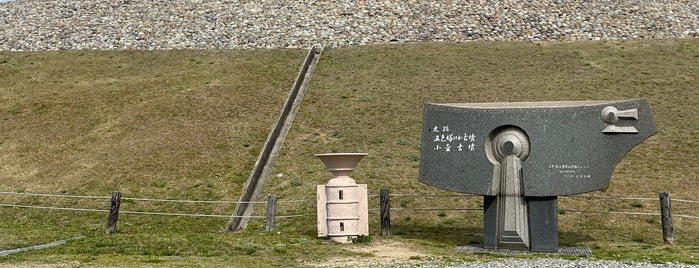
(125, 211)
(179, 214)
(56, 243)
(55, 208)
(292, 216)
(610, 197)
(465, 209)
(130, 198)
(183, 201)
(295, 201)
(56, 195)
(612, 212)
(435, 195)
(684, 200)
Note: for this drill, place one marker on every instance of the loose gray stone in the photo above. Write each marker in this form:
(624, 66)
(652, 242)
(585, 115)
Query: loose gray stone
(219, 24)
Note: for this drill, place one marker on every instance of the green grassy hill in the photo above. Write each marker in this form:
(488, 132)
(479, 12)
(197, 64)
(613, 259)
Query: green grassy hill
(189, 125)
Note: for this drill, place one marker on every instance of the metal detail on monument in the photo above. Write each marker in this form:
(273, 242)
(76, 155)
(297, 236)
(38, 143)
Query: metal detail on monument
(520, 156)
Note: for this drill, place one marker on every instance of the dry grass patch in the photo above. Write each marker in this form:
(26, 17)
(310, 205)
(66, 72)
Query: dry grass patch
(145, 123)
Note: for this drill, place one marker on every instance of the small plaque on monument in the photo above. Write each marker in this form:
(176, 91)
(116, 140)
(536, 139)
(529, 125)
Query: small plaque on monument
(521, 156)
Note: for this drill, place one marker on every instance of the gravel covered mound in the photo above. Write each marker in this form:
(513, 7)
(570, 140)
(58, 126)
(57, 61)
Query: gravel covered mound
(198, 24)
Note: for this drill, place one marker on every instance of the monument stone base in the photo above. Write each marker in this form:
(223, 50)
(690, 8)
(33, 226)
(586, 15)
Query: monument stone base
(543, 222)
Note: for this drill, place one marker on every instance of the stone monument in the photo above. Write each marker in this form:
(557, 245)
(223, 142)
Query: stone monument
(521, 156)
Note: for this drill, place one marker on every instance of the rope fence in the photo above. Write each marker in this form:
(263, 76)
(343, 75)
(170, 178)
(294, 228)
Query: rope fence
(384, 207)
(116, 199)
(149, 199)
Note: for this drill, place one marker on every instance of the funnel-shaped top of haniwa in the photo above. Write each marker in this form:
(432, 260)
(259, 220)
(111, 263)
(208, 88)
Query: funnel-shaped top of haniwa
(341, 164)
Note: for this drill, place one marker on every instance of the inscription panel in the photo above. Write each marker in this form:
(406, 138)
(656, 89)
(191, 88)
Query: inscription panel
(570, 151)
(572, 171)
(457, 141)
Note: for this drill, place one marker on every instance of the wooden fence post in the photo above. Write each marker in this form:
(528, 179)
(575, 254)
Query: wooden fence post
(385, 205)
(271, 210)
(666, 218)
(113, 212)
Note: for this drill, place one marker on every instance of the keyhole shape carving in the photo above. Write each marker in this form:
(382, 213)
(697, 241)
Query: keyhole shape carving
(510, 147)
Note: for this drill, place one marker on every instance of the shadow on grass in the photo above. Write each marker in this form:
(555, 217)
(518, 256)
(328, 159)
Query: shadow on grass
(466, 234)
(573, 238)
(438, 233)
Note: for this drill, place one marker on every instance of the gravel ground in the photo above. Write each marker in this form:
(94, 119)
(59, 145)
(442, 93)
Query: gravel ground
(560, 263)
(222, 24)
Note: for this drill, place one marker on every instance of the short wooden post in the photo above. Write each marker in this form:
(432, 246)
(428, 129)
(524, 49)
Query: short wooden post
(666, 218)
(113, 212)
(271, 210)
(385, 205)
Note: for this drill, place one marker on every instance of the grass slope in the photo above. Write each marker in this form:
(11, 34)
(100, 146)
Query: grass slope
(188, 125)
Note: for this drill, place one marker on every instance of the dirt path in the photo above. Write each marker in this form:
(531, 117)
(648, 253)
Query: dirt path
(377, 254)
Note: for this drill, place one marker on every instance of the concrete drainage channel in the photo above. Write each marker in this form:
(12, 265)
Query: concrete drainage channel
(55, 243)
(262, 170)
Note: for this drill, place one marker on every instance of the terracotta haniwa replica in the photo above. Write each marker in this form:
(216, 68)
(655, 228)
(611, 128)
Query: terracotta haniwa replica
(343, 211)
(521, 156)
